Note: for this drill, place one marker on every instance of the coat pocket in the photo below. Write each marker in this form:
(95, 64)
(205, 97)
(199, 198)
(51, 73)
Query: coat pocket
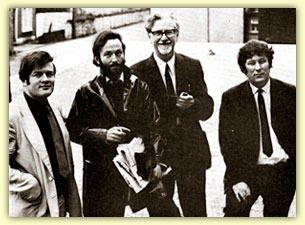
(20, 207)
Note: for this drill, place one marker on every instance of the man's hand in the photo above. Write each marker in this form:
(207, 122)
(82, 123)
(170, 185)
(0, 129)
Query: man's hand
(116, 134)
(185, 100)
(157, 172)
(241, 191)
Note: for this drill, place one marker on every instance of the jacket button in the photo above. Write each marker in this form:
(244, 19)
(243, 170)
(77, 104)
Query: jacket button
(50, 178)
(52, 195)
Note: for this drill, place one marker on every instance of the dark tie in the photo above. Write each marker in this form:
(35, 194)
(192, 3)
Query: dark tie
(169, 83)
(267, 145)
(58, 144)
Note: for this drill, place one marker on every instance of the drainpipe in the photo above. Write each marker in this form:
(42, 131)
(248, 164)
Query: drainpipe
(73, 23)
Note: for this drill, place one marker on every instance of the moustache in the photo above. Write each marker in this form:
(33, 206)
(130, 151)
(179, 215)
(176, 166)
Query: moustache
(115, 65)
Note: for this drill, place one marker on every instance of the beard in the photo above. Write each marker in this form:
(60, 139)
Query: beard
(165, 49)
(113, 71)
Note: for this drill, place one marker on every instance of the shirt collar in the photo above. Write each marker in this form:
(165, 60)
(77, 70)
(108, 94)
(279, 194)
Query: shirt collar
(266, 88)
(161, 64)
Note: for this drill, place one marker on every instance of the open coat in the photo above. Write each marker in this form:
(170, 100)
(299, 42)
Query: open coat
(239, 130)
(32, 190)
(91, 114)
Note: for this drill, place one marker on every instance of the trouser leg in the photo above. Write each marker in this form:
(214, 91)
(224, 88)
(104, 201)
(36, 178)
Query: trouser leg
(191, 190)
(278, 191)
(165, 207)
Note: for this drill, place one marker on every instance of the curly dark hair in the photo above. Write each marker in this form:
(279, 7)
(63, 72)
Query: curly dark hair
(251, 48)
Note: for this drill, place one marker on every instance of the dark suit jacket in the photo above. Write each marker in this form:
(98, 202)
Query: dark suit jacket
(239, 129)
(188, 136)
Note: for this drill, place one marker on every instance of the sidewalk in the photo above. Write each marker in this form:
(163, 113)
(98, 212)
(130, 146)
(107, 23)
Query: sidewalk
(72, 53)
(73, 59)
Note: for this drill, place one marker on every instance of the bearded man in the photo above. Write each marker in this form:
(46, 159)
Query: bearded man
(109, 110)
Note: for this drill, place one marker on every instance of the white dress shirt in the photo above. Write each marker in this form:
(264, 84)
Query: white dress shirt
(161, 65)
(279, 154)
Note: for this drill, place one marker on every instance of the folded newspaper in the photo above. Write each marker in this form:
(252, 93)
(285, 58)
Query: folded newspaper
(126, 164)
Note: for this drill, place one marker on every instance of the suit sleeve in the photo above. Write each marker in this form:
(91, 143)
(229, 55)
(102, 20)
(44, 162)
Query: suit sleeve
(204, 105)
(231, 146)
(226, 131)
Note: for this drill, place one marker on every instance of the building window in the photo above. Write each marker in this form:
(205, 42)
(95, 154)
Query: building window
(254, 25)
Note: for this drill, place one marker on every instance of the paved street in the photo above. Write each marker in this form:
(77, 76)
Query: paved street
(73, 59)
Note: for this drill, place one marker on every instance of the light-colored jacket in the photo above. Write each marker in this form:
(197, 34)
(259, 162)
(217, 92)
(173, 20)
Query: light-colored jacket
(32, 189)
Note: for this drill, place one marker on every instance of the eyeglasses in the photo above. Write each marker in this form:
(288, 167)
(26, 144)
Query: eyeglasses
(169, 33)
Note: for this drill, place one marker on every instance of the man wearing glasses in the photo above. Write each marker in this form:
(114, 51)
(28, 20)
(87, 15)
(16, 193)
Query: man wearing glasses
(178, 88)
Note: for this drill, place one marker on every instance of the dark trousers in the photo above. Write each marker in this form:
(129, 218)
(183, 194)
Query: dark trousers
(164, 207)
(104, 191)
(191, 192)
(61, 206)
(276, 185)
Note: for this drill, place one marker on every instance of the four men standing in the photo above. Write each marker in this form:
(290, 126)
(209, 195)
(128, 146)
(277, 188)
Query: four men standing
(166, 94)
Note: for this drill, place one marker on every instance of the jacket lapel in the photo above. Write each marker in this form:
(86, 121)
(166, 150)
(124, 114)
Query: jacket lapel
(248, 103)
(155, 77)
(99, 91)
(276, 102)
(33, 133)
(250, 120)
(181, 79)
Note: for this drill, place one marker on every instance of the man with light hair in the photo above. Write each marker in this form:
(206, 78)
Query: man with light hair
(177, 86)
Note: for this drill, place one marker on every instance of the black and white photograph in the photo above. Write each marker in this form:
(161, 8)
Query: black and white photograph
(152, 112)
